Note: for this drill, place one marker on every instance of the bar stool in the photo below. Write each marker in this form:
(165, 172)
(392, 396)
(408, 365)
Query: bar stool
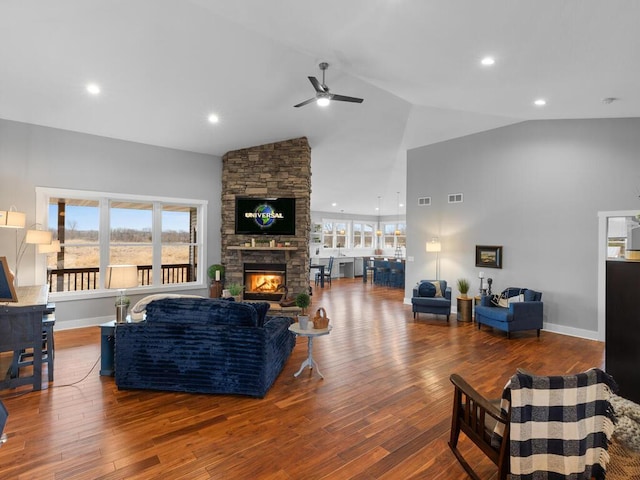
(381, 273)
(396, 274)
(24, 359)
(370, 269)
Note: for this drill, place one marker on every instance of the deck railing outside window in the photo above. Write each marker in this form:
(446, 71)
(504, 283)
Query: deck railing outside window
(88, 278)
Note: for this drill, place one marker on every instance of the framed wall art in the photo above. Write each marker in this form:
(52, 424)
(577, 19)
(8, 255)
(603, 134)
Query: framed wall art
(489, 256)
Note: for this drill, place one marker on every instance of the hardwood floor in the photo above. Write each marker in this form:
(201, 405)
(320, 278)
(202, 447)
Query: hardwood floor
(383, 410)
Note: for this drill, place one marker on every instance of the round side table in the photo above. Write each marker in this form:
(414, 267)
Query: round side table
(464, 309)
(310, 333)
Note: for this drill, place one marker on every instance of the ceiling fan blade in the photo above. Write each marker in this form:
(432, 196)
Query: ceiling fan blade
(306, 102)
(343, 98)
(316, 84)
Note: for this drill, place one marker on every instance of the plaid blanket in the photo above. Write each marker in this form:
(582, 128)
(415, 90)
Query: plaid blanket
(560, 425)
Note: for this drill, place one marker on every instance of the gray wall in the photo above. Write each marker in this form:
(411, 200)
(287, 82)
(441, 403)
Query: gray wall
(535, 188)
(32, 156)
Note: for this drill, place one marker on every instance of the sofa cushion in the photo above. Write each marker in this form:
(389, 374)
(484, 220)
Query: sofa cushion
(206, 311)
(499, 314)
(138, 310)
(427, 289)
(431, 301)
(532, 296)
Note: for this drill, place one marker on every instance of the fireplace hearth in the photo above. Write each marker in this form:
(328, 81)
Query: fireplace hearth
(262, 281)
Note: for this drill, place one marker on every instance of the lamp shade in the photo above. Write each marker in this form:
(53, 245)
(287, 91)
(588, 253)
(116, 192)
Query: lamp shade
(53, 247)
(121, 276)
(434, 245)
(12, 219)
(38, 237)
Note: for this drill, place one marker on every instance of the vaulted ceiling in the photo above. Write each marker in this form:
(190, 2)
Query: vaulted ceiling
(164, 66)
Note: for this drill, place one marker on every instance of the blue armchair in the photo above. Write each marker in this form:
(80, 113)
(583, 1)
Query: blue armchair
(525, 314)
(425, 299)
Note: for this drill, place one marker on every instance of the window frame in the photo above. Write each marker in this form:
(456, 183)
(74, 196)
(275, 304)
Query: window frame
(362, 234)
(395, 227)
(43, 195)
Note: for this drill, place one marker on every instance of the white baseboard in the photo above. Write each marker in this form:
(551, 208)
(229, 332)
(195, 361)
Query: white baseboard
(82, 322)
(547, 327)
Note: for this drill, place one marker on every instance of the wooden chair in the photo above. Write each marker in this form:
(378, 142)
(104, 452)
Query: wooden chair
(327, 273)
(24, 358)
(477, 417)
(3, 420)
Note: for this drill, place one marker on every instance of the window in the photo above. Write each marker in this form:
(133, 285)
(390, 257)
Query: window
(334, 234)
(363, 235)
(95, 230)
(394, 235)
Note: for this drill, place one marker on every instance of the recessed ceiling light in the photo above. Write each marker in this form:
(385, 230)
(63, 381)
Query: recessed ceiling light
(401, 205)
(334, 204)
(213, 118)
(487, 61)
(93, 89)
(541, 102)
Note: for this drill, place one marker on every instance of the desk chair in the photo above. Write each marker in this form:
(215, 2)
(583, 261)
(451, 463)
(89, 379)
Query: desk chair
(327, 273)
(3, 421)
(24, 358)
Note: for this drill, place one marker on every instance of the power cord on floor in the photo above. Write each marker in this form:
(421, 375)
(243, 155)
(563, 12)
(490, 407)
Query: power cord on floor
(58, 386)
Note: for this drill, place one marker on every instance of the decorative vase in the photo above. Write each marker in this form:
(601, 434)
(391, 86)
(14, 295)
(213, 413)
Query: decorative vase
(216, 289)
(121, 313)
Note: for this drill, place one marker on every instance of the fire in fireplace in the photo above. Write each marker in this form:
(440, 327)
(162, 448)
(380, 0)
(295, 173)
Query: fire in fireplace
(262, 281)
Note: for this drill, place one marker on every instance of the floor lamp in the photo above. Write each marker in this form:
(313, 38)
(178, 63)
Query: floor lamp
(434, 245)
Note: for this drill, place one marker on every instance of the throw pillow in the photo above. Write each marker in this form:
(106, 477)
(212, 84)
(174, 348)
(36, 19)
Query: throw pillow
(438, 290)
(516, 298)
(427, 289)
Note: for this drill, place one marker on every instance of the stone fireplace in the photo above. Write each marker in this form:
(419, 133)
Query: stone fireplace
(281, 169)
(262, 281)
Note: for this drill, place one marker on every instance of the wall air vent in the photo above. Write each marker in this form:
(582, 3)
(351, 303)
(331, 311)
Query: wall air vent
(424, 201)
(455, 198)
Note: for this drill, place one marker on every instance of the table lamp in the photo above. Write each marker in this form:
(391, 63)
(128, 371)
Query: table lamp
(121, 277)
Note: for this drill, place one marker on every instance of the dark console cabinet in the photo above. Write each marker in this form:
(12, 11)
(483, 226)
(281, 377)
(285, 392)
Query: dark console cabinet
(622, 348)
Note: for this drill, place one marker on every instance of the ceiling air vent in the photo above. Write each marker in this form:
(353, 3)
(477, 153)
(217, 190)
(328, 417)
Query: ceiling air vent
(455, 198)
(424, 201)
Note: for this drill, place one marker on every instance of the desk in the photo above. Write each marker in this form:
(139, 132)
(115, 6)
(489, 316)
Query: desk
(21, 328)
(310, 334)
(320, 267)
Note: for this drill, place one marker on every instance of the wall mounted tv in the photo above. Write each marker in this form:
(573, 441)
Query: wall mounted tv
(265, 216)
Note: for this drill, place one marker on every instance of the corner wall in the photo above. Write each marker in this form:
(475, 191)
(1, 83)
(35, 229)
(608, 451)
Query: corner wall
(281, 169)
(31, 156)
(536, 189)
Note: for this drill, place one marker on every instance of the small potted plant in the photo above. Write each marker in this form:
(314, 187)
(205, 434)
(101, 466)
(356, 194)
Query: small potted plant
(463, 286)
(303, 300)
(235, 289)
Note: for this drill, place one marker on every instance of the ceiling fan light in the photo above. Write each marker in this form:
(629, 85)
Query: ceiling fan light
(323, 101)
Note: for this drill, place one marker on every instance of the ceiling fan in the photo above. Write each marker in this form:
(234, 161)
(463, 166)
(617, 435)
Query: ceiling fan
(323, 95)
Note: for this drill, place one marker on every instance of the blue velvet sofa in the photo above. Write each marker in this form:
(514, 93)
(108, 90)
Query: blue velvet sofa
(425, 299)
(525, 314)
(203, 345)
